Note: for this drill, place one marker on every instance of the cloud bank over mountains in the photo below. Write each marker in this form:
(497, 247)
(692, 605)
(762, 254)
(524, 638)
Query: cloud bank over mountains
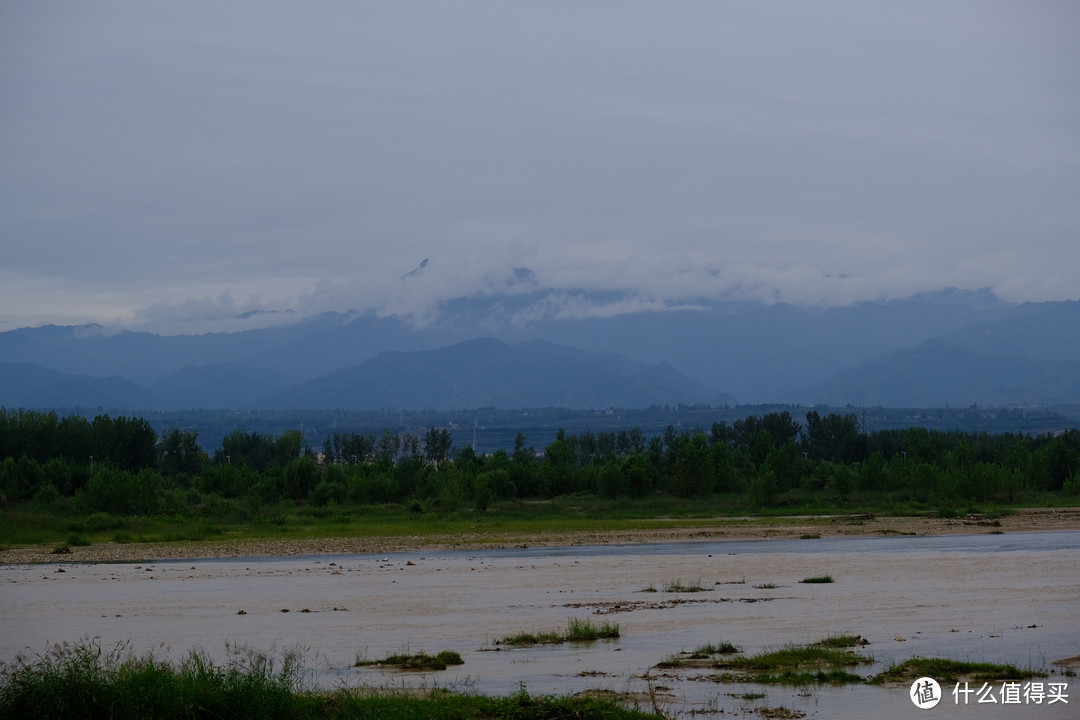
(420, 296)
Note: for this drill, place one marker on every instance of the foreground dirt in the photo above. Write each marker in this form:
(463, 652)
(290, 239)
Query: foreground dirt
(1026, 520)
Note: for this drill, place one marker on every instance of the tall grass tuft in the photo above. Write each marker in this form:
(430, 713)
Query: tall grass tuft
(82, 680)
(576, 631)
(687, 587)
(585, 631)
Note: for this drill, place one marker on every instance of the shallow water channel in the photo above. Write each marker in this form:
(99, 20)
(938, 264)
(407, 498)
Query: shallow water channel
(1011, 598)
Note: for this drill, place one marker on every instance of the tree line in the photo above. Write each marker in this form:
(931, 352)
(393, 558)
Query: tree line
(122, 466)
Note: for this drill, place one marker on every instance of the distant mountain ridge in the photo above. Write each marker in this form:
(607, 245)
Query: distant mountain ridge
(937, 349)
(476, 373)
(489, 373)
(23, 385)
(1031, 357)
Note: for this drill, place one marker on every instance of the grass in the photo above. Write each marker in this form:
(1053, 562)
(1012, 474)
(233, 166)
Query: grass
(944, 670)
(724, 648)
(700, 656)
(818, 579)
(842, 641)
(827, 662)
(213, 517)
(831, 676)
(680, 586)
(585, 631)
(416, 661)
(81, 681)
(552, 637)
(794, 656)
(823, 662)
(576, 631)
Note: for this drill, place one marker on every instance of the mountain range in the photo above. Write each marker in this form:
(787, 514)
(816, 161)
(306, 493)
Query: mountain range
(949, 348)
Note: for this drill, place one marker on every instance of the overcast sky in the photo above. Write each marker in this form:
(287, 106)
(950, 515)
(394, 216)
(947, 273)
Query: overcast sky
(167, 161)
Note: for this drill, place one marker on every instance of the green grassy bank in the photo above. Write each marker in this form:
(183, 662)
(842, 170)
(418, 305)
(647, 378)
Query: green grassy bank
(224, 519)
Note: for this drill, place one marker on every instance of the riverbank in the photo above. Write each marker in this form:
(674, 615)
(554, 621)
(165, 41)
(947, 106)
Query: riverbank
(756, 528)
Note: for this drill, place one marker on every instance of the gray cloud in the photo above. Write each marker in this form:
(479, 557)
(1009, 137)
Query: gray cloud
(160, 158)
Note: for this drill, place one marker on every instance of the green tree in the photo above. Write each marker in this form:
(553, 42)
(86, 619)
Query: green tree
(641, 479)
(612, 481)
(20, 479)
(123, 492)
(834, 437)
(437, 445)
(387, 447)
(243, 448)
(288, 447)
(692, 472)
(333, 487)
(764, 489)
(180, 453)
(299, 478)
(559, 467)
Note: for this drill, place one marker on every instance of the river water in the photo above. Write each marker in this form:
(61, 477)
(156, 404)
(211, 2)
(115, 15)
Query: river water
(1012, 598)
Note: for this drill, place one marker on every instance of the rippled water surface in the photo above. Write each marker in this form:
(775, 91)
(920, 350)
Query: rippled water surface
(1011, 598)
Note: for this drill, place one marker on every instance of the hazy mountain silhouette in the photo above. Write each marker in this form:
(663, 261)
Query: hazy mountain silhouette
(1031, 357)
(31, 386)
(951, 347)
(489, 373)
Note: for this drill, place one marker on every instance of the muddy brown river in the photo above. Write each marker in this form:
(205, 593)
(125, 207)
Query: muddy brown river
(1011, 598)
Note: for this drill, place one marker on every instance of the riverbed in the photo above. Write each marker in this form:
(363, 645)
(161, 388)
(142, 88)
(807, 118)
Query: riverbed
(1011, 598)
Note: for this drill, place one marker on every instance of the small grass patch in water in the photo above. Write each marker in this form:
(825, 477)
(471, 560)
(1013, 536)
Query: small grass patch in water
(416, 661)
(779, 713)
(825, 662)
(544, 638)
(701, 656)
(585, 631)
(842, 641)
(945, 670)
(576, 631)
(723, 648)
(832, 676)
(680, 586)
(796, 656)
(818, 579)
